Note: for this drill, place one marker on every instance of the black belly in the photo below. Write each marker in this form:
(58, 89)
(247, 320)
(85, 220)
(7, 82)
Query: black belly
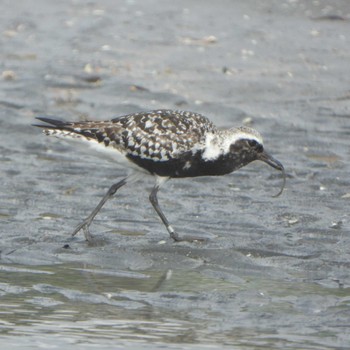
(189, 165)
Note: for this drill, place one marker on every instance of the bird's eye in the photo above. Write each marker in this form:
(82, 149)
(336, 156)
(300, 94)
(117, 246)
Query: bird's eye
(256, 145)
(252, 143)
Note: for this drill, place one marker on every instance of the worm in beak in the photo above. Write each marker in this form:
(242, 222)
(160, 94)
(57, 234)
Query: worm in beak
(266, 158)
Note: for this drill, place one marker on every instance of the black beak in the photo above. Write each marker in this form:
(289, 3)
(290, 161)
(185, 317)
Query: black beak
(266, 158)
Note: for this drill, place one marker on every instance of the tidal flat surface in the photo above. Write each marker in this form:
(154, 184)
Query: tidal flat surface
(274, 273)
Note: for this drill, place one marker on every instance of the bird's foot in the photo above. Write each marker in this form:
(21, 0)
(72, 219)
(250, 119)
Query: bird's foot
(174, 235)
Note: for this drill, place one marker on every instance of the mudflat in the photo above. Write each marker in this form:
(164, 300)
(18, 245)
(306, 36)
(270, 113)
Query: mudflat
(274, 272)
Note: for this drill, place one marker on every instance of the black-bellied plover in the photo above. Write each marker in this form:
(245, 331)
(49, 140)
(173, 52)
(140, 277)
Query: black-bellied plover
(166, 144)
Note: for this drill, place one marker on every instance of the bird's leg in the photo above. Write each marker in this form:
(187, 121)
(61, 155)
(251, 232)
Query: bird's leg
(87, 222)
(154, 200)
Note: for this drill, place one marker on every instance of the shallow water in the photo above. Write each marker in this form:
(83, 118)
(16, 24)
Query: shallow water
(275, 271)
(100, 306)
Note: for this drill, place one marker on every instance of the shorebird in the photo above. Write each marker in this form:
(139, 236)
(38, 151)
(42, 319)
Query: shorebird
(166, 144)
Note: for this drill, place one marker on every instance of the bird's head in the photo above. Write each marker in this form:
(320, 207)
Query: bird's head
(246, 145)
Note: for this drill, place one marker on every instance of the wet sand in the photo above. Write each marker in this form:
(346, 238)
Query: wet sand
(275, 271)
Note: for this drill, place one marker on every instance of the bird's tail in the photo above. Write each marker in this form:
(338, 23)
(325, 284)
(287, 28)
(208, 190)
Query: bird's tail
(53, 124)
(81, 130)
(57, 127)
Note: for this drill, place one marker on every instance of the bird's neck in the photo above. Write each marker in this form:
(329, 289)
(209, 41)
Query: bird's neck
(216, 145)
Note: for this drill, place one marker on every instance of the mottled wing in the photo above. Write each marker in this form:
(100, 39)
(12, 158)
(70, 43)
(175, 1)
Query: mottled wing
(158, 135)
(162, 135)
